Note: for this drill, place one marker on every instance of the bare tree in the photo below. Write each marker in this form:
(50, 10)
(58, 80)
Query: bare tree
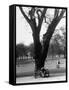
(41, 50)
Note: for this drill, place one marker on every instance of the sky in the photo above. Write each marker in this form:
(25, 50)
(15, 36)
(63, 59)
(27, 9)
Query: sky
(24, 32)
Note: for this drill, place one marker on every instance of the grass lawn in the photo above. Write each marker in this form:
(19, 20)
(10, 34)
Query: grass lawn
(28, 68)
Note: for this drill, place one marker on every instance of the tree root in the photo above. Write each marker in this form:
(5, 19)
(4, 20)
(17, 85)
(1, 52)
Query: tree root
(42, 73)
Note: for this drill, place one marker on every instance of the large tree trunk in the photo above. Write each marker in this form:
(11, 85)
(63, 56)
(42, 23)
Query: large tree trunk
(37, 50)
(41, 53)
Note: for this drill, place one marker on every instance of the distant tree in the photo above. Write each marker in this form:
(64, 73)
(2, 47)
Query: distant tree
(58, 43)
(21, 50)
(31, 49)
(63, 40)
(51, 51)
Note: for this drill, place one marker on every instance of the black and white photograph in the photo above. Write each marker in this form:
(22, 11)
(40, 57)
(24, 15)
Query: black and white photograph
(41, 44)
(34, 44)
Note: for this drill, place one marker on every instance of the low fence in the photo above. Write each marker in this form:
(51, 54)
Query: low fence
(24, 60)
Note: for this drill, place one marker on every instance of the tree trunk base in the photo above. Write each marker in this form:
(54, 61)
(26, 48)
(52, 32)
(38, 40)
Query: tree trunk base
(42, 73)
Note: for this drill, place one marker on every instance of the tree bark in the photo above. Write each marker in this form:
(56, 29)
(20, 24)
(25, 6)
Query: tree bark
(37, 50)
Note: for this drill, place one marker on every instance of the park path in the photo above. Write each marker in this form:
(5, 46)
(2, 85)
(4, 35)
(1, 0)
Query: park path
(31, 79)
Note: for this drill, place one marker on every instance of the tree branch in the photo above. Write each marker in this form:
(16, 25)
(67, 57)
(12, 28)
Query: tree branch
(50, 20)
(31, 13)
(38, 13)
(61, 14)
(56, 13)
(57, 19)
(23, 13)
(30, 22)
(53, 25)
(43, 15)
(41, 19)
